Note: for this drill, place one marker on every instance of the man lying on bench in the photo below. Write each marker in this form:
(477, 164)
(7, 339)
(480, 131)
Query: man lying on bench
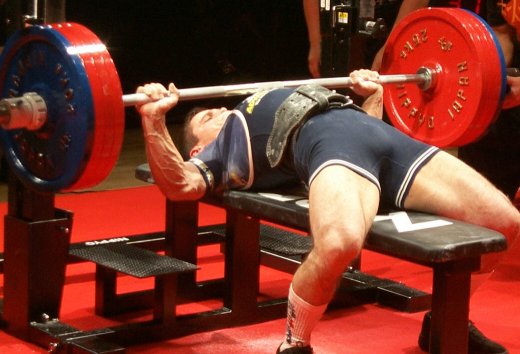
(351, 162)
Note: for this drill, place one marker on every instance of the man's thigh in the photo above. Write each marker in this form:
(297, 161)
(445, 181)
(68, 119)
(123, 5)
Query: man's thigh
(447, 186)
(341, 197)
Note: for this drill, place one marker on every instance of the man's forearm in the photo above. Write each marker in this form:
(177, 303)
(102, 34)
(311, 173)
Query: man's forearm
(177, 179)
(505, 35)
(373, 104)
(312, 19)
(409, 6)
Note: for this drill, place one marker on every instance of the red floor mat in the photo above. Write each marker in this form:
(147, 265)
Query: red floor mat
(495, 308)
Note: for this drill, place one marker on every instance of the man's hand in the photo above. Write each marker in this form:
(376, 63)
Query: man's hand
(365, 82)
(314, 59)
(162, 100)
(512, 98)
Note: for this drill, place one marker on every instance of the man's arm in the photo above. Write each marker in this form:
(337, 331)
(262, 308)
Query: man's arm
(407, 6)
(506, 36)
(311, 11)
(512, 98)
(177, 179)
(364, 84)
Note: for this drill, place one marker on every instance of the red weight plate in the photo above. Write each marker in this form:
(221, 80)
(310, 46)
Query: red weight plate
(53, 157)
(493, 93)
(107, 94)
(468, 76)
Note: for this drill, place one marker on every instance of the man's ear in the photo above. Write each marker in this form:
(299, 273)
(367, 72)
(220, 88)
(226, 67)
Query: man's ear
(196, 150)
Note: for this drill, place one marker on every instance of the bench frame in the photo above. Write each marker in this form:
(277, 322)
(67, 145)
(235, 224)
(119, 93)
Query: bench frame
(451, 277)
(33, 215)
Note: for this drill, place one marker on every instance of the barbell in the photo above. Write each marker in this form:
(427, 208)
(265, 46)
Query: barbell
(62, 110)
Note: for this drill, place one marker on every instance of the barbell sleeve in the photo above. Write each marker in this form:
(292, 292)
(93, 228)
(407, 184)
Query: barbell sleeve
(421, 77)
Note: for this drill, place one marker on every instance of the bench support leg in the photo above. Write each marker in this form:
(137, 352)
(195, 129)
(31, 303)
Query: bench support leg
(242, 264)
(36, 243)
(450, 306)
(106, 284)
(181, 237)
(165, 299)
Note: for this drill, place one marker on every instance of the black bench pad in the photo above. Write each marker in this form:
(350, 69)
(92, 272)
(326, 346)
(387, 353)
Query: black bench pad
(438, 240)
(438, 244)
(434, 240)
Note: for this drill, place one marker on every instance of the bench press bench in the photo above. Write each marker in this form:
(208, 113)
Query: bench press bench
(452, 249)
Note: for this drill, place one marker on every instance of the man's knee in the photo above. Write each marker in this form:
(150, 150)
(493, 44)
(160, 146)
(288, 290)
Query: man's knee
(337, 245)
(502, 216)
(514, 226)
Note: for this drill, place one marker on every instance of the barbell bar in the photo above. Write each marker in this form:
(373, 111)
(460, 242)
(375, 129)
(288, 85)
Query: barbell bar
(30, 111)
(63, 107)
(422, 78)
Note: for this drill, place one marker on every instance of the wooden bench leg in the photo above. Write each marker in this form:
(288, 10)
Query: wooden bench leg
(34, 270)
(181, 237)
(106, 296)
(165, 303)
(109, 303)
(450, 306)
(242, 263)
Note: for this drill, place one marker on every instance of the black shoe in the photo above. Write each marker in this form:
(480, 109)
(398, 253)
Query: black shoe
(295, 350)
(478, 343)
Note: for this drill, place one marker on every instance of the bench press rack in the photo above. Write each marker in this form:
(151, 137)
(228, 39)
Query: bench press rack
(36, 232)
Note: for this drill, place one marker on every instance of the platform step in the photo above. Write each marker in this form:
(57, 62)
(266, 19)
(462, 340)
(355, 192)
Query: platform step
(284, 242)
(131, 260)
(277, 240)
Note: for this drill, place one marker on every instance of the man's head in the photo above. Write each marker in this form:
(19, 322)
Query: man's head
(201, 127)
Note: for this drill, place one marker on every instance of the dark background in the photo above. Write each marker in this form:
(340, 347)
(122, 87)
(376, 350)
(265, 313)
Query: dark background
(198, 42)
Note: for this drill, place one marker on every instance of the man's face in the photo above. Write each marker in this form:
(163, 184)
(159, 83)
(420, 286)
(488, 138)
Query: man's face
(206, 125)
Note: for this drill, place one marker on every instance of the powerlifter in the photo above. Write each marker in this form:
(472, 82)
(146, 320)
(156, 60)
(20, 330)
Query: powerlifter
(350, 160)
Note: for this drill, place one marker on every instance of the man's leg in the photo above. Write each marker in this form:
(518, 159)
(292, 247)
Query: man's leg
(448, 187)
(342, 206)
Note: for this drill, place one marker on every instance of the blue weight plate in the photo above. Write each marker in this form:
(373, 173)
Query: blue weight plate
(35, 59)
(492, 38)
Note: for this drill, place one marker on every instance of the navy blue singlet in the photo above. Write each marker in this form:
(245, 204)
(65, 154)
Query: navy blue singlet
(368, 146)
